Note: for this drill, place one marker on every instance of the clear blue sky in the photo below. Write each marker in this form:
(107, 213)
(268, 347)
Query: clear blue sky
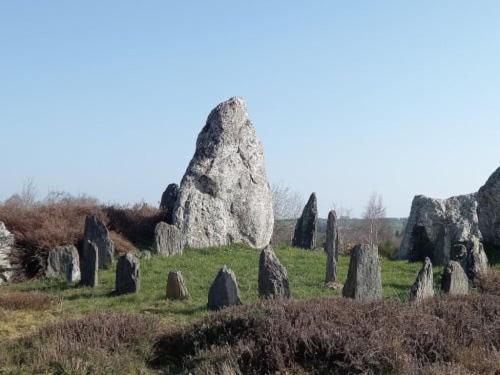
(107, 97)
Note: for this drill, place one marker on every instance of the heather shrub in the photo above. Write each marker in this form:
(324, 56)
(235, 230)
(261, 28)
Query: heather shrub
(489, 282)
(102, 343)
(25, 301)
(331, 336)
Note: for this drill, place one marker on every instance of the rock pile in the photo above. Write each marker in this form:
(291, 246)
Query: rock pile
(128, 276)
(224, 196)
(89, 264)
(167, 240)
(424, 285)
(455, 280)
(176, 287)
(64, 260)
(363, 278)
(97, 233)
(273, 278)
(224, 291)
(305, 228)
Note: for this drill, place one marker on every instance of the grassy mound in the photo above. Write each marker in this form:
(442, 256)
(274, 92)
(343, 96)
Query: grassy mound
(338, 336)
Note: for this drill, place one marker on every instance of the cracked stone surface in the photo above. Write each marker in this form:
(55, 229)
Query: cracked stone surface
(224, 196)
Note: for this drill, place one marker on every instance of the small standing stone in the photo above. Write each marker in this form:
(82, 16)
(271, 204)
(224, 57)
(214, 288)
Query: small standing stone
(176, 287)
(167, 240)
(471, 256)
(89, 265)
(146, 254)
(273, 278)
(424, 285)
(6, 247)
(168, 199)
(305, 229)
(224, 291)
(96, 232)
(64, 260)
(363, 278)
(454, 279)
(332, 250)
(128, 277)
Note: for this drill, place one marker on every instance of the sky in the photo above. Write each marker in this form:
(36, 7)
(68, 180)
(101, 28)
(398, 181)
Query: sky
(107, 98)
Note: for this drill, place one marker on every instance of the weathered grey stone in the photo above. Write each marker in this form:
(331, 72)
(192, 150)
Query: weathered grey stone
(224, 195)
(436, 225)
(146, 254)
(363, 278)
(305, 229)
(168, 199)
(167, 240)
(176, 287)
(64, 260)
(89, 264)
(6, 247)
(471, 256)
(96, 232)
(424, 285)
(273, 278)
(454, 280)
(488, 199)
(331, 248)
(224, 291)
(128, 276)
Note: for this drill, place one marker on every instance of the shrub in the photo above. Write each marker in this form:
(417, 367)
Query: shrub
(339, 336)
(489, 282)
(101, 343)
(25, 301)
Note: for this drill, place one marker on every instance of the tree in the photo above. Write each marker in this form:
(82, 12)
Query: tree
(287, 203)
(373, 219)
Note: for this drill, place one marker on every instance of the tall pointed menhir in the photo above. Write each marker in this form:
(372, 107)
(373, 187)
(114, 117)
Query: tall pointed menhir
(332, 250)
(305, 229)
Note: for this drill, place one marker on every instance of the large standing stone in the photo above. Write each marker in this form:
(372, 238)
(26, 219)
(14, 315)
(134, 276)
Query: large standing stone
(6, 246)
(96, 232)
(488, 199)
(273, 278)
(332, 249)
(224, 291)
(436, 225)
(363, 278)
(176, 287)
(167, 240)
(454, 279)
(128, 277)
(224, 196)
(471, 256)
(168, 199)
(424, 285)
(64, 260)
(305, 229)
(89, 264)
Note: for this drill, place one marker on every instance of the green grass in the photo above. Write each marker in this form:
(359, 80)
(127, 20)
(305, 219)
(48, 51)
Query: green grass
(306, 271)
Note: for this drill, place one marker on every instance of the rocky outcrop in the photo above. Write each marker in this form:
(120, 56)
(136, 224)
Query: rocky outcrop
(224, 196)
(89, 265)
(168, 199)
(471, 256)
(97, 233)
(176, 287)
(435, 226)
(167, 240)
(488, 199)
(454, 280)
(6, 246)
(305, 228)
(64, 260)
(424, 285)
(128, 276)
(363, 282)
(273, 278)
(331, 248)
(224, 291)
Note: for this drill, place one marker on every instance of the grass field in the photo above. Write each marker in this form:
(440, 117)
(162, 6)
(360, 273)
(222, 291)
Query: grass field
(306, 271)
